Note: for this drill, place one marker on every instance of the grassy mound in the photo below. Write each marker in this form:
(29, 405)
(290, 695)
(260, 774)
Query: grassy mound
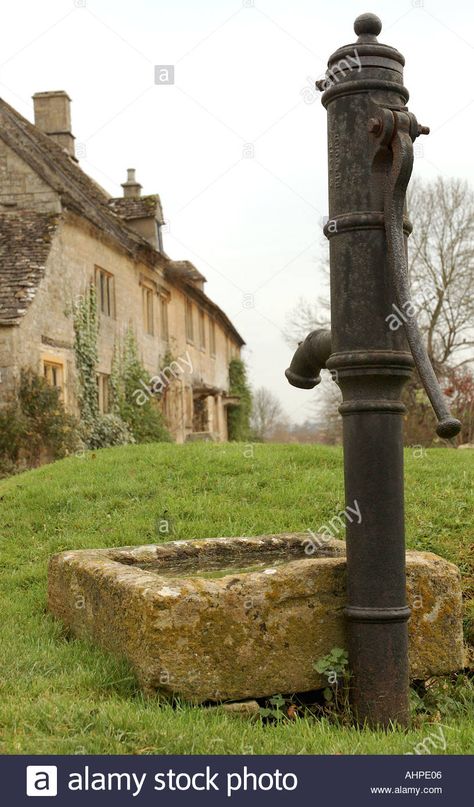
(67, 697)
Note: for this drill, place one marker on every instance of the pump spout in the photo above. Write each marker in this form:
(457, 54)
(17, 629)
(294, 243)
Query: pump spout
(310, 357)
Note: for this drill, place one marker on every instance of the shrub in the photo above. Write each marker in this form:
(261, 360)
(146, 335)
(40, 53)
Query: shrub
(35, 426)
(48, 427)
(12, 430)
(106, 431)
(144, 421)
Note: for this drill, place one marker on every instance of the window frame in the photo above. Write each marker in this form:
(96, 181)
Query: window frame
(148, 295)
(212, 337)
(55, 363)
(164, 323)
(189, 320)
(105, 290)
(202, 329)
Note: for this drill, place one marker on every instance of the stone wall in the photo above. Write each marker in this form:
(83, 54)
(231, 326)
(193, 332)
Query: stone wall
(21, 187)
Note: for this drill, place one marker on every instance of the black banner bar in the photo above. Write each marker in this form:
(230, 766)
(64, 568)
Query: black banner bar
(103, 781)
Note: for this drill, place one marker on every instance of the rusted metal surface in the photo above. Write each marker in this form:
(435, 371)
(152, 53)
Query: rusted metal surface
(370, 136)
(309, 359)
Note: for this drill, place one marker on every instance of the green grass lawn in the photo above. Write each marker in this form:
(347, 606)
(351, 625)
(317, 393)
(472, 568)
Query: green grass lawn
(68, 697)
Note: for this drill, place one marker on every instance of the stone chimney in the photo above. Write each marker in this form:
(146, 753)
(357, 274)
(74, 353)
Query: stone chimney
(53, 117)
(131, 188)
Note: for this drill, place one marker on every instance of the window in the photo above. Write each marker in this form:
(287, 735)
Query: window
(189, 321)
(212, 337)
(202, 330)
(103, 393)
(54, 374)
(105, 292)
(164, 318)
(148, 295)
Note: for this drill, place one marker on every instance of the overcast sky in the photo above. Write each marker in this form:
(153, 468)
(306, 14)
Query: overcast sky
(243, 77)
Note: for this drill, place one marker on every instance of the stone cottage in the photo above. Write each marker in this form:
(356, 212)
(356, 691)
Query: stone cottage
(60, 231)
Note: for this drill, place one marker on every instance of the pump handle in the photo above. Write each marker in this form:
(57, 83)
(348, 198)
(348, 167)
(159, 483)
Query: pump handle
(404, 131)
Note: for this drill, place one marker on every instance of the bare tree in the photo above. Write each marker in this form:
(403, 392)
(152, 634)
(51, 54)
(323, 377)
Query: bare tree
(327, 399)
(307, 315)
(266, 413)
(441, 264)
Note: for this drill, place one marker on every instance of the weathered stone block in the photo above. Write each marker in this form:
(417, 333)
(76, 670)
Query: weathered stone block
(234, 618)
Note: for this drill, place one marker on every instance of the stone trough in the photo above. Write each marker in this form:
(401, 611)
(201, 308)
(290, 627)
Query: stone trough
(232, 618)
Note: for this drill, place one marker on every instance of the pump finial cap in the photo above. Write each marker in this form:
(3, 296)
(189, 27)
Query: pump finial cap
(367, 25)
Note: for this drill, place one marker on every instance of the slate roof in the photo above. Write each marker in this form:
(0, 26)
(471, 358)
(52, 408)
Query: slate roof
(186, 271)
(176, 276)
(139, 208)
(25, 241)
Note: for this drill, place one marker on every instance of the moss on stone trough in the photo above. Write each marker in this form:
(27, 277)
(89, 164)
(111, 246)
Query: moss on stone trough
(232, 618)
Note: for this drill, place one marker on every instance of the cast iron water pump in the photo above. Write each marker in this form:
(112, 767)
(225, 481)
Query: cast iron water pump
(370, 147)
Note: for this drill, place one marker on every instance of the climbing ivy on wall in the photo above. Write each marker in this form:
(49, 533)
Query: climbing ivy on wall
(86, 329)
(239, 416)
(97, 430)
(128, 421)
